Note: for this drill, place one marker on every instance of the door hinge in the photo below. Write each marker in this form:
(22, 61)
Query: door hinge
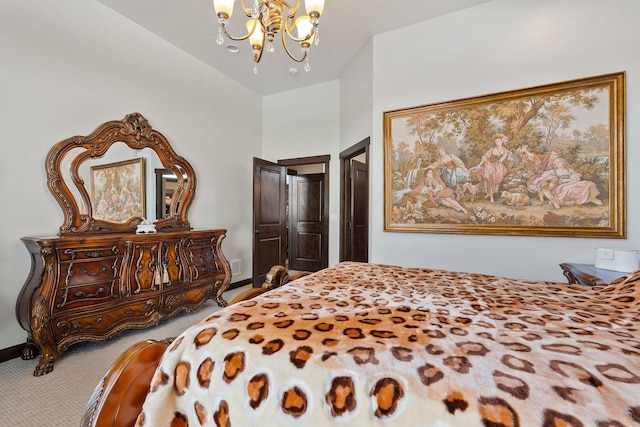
(349, 225)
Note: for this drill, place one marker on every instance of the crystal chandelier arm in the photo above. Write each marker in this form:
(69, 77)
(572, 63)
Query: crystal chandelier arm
(248, 11)
(293, 11)
(291, 55)
(246, 36)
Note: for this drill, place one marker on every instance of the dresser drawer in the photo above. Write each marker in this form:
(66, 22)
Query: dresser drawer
(86, 282)
(75, 273)
(202, 257)
(82, 295)
(90, 253)
(186, 299)
(107, 323)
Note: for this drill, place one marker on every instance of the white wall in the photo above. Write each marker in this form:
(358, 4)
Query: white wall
(70, 65)
(499, 46)
(356, 99)
(304, 123)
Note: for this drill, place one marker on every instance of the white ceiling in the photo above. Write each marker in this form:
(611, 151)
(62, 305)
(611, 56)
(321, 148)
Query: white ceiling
(346, 26)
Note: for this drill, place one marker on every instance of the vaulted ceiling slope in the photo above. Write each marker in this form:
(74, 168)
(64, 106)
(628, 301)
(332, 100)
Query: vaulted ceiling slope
(346, 26)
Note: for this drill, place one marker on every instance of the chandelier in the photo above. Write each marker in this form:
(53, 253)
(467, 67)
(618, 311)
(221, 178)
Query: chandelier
(267, 18)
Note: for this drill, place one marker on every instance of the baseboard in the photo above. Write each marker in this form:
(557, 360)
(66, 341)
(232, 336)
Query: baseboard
(16, 351)
(240, 284)
(11, 352)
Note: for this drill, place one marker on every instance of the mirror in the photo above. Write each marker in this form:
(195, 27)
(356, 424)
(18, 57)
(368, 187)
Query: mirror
(117, 176)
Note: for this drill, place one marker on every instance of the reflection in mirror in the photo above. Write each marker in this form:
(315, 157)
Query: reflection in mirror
(166, 183)
(120, 183)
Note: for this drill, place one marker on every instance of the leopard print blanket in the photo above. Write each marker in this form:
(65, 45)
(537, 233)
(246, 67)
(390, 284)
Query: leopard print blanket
(371, 345)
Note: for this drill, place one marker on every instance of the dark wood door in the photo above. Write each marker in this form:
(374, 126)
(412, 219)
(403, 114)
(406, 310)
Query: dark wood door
(308, 223)
(359, 212)
(269, 218)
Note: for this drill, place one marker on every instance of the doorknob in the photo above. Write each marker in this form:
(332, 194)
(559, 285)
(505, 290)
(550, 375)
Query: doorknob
(257, 232)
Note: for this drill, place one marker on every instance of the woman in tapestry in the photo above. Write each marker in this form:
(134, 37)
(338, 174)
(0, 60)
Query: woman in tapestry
(565, 188)
(492, 168)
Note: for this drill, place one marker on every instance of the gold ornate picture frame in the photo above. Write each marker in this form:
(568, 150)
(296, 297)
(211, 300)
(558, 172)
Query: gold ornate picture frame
(544, 161)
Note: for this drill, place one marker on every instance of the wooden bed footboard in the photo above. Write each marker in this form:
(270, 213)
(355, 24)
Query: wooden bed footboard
(276, 277)
(117, 399)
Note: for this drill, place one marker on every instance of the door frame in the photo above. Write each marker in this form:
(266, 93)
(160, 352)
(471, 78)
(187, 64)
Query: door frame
(345, 191)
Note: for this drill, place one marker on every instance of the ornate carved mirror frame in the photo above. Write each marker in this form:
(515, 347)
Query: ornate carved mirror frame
(136, 133)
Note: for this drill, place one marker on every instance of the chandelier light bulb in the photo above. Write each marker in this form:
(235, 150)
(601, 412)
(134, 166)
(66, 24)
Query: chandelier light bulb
(304, 28)
(314, 6)
(224, 7)
(256, 38)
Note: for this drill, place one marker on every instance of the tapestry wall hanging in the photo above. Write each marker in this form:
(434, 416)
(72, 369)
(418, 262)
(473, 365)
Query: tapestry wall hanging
(545, 161)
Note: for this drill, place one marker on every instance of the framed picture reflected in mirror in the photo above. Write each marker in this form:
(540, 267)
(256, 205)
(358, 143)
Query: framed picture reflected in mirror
(118, 190)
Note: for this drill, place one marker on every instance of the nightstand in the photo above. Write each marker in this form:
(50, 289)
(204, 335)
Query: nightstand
(588, 274)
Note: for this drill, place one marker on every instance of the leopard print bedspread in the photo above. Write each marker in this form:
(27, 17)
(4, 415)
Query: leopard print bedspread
(370, 345)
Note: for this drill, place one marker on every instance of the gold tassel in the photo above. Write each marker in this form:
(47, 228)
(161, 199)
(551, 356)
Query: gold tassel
(165, 275)
(157, 278)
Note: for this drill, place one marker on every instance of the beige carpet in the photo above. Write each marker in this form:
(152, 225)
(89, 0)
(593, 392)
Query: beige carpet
(58, 399)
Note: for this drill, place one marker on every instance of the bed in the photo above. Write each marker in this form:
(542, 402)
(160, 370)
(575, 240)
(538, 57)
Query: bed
(372, 345)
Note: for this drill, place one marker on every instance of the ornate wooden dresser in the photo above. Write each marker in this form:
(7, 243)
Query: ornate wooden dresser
(99, 277)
